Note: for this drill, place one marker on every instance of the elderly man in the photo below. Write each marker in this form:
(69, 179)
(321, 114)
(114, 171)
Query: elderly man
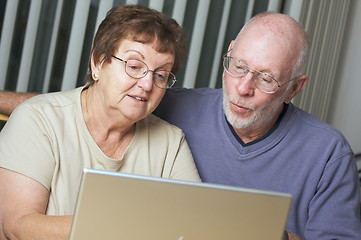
(250, 134)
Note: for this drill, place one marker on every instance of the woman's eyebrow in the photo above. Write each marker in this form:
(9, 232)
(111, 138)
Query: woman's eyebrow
(135, 51)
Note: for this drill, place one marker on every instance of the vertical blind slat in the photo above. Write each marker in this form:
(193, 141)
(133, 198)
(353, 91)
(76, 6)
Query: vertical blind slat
(274, 5)
(132, 1)
(249, 10)
(54, 37)
(196, 43)
(75, 45)
(7, 38)
(294, 8)
(29, 43)
(221, 36)
(104, 7)
(156, 4)
(179, 11)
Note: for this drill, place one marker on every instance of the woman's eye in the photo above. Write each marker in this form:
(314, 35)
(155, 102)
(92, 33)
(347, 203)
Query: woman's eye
(161, 75)
(133, 67)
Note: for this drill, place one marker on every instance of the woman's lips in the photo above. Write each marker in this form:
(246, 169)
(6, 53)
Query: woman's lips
(138, 98)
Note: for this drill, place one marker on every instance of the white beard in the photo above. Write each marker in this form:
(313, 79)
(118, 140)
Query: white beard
(258, 118)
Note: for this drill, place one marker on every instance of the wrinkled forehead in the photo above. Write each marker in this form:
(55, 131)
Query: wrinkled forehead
(159, 43)
(265, 50)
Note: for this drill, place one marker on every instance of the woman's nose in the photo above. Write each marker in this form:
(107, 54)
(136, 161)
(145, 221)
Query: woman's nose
(146, 82)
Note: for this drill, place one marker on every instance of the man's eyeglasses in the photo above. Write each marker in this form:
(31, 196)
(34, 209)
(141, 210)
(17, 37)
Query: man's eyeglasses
(138, 69)
(262, 81)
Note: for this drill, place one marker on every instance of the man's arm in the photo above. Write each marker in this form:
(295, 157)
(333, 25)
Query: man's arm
(23, 205)
(10, 100)
(334, 212)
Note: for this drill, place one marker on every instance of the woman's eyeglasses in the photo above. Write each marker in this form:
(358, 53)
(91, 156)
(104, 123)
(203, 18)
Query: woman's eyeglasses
(138, 69)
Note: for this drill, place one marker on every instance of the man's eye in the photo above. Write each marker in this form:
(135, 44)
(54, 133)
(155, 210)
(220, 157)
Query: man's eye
(240, 68)
(266, 79)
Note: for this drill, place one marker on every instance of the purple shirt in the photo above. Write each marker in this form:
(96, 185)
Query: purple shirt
(301, 155)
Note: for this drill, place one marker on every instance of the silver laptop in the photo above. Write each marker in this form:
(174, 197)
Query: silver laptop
(113, 205)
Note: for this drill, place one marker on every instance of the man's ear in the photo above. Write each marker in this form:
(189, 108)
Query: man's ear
(297, 86)
(230, 45)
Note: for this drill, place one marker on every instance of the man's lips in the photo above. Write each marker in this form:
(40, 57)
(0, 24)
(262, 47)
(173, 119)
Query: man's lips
(240, 108)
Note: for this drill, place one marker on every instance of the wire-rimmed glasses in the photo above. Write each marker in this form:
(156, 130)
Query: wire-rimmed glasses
(137, 69)
(262, 81)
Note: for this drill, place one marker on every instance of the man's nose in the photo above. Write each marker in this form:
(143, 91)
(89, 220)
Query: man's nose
(245, 84)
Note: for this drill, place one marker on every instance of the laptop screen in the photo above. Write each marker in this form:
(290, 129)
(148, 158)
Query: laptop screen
(113, 205)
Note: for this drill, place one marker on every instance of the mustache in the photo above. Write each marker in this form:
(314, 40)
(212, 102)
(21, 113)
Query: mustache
(241, 102)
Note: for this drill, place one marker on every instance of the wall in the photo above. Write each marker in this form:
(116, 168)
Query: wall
(345, 110)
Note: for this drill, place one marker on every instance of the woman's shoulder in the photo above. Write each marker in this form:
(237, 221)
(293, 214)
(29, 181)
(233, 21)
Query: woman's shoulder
(55, 98)
(49, 104)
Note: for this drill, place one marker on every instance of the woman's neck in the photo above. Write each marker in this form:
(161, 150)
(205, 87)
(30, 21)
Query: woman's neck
(110, 134)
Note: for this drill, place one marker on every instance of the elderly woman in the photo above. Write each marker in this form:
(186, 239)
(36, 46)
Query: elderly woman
(106, 124)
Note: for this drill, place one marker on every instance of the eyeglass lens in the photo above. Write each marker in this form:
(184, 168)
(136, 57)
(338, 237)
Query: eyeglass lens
(138, 69)
(262, 81)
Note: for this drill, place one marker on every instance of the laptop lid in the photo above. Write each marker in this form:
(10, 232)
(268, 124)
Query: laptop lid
(113, 205)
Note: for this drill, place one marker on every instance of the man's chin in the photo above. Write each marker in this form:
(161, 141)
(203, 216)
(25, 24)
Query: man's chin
(239, 122)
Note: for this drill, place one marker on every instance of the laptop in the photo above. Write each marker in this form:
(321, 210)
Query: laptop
(113, 205)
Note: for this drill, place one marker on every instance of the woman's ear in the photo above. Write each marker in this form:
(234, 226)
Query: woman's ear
(95, 68)
(297, 86)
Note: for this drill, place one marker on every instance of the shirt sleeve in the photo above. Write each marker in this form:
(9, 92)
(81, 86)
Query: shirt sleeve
(334, 212)
(25, 145)
(184, 167)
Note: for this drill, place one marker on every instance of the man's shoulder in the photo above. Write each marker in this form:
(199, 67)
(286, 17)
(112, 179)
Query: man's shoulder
(180, 105)
(160, 128)
(181, 97)
(192, 92)
(310, 120)
(314, 127)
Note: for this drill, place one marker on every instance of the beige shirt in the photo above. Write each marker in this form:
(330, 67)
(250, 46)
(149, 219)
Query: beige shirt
(47, 140)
